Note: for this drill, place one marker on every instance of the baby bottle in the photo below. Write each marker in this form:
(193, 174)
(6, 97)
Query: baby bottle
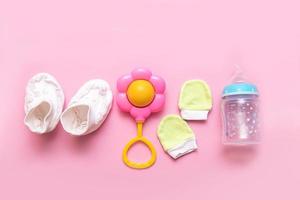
(240, 107)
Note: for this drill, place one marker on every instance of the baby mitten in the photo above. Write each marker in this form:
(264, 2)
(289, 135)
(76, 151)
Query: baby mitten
(195, 100)
(176, 137)
(88, 108)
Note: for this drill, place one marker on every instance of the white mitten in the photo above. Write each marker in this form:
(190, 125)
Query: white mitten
(44, 102)
(176, 137)
(88, 109)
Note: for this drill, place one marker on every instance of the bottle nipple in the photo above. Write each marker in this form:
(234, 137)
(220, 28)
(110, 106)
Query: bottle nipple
(238, 75)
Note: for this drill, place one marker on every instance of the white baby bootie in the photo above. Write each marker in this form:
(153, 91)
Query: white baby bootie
(88, 109)
(44, 100)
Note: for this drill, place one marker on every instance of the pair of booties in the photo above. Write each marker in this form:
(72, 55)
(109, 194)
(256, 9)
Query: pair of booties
(174, 133)
(44, 103)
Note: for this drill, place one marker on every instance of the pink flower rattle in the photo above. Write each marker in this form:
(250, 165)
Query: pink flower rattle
(140, 94)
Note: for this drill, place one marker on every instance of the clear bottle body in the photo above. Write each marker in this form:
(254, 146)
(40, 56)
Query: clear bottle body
(240, 115)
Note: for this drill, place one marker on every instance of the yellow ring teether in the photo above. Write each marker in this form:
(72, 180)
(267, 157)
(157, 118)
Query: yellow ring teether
(135, 165)
(139, 138)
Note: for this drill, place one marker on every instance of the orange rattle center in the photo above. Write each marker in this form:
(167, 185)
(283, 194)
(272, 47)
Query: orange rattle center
(140, 93)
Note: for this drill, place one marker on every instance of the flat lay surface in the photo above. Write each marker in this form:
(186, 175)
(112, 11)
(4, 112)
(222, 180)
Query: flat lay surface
(76, 41)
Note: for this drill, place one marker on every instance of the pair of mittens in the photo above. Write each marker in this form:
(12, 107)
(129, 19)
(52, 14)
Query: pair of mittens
(175, 135)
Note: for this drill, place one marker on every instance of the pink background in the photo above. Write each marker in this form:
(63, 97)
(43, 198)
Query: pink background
(178, 40)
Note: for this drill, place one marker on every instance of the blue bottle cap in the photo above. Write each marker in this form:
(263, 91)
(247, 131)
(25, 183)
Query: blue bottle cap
(240, 88)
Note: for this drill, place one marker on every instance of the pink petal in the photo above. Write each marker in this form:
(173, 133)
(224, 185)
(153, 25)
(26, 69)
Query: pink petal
(140, 114)
(158, 83)
(123, 83)
(158, 103)
(123, 102)
(141, 73)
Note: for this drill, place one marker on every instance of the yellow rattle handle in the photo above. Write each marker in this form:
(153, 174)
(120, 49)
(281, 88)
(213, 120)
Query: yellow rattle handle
(139, 138)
